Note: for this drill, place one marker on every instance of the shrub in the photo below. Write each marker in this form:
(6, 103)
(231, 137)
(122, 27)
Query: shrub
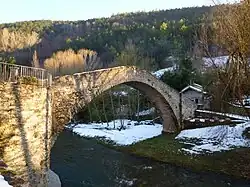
(29, 80)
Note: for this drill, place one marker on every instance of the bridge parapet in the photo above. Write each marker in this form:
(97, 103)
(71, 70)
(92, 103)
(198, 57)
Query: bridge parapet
(24, 74)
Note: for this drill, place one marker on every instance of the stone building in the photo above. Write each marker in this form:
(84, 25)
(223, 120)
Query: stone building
(196, 93)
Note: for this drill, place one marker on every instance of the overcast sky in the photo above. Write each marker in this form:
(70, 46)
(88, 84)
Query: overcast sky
(23, 10)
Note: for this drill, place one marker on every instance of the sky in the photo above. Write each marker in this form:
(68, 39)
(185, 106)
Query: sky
(25, 10)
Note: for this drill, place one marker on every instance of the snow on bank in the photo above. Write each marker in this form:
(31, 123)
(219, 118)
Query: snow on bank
(4, 183)
(212, 139)
(131, 134)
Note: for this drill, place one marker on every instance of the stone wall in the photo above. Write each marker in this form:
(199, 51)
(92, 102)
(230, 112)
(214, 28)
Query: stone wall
(25, 130)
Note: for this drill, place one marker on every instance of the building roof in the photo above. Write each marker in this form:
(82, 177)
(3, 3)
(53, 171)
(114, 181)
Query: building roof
(195, 87)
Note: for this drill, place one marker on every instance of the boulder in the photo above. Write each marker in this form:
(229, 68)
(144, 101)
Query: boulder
(53, 179)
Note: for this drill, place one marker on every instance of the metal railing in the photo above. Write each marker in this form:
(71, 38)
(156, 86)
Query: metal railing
(16, 73)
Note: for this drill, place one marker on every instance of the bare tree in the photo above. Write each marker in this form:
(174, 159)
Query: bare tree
(35, 60)
(131, 56)
(70, 62)
(228, 29)
(12, 40)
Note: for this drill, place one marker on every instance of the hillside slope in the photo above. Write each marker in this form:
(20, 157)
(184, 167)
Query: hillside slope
(156, 34)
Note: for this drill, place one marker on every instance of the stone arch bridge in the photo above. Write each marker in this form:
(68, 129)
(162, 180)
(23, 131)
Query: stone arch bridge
(73, 92)
(30, 115)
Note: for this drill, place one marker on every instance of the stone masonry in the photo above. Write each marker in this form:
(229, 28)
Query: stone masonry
(25, 130)
(73, 92)
(32, 116)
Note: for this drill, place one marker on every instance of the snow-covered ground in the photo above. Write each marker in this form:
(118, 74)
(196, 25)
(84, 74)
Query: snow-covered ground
(197, 141)
(212, 139)
(245, 102)
(4, 183)
(131, 134)
(160, 72)
(219, 61)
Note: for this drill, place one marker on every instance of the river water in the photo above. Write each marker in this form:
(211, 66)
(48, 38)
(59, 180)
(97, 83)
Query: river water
(80, 162)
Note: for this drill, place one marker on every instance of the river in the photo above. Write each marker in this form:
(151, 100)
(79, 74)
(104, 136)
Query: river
(81, 162)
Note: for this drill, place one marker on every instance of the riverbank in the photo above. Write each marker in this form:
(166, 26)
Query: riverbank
(101, 166)
(217, 152)
(166, 148)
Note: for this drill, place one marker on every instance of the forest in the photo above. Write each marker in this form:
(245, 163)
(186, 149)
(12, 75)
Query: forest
(156, 34)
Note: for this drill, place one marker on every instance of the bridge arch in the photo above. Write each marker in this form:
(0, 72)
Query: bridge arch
(73, 92)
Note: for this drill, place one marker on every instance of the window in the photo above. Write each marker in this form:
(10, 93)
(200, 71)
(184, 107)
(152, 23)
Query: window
(196, 101)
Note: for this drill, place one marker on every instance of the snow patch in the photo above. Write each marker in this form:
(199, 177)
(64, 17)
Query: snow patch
(219, 61)
(213, 139)
(190, 151)
(202, 120)
(240, 106)
(246, 118)
(147, 167)
(131, 133)
(120, 93)
(161, 72)
(4, 183)
(127, 182)
(146, 112)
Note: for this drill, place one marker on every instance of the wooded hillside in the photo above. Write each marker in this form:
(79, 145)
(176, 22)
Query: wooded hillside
(156, 34)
